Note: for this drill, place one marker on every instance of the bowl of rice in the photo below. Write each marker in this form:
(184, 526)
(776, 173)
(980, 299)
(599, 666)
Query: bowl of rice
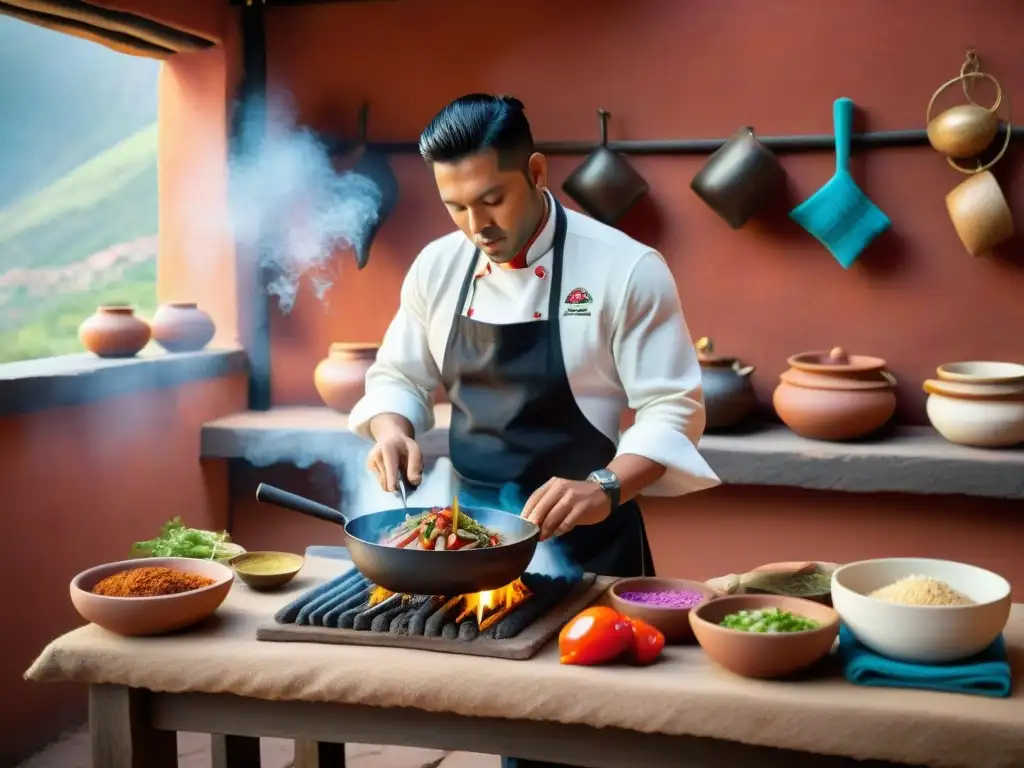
(921, 610)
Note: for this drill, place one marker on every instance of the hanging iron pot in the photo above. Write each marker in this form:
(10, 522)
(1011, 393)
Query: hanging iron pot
(374, 166)
(606, 185)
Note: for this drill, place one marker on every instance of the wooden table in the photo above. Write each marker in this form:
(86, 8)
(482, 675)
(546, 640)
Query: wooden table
(685, 711)
(133, 728)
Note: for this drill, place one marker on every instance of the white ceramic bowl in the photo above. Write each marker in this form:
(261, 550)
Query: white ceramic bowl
(922, 634)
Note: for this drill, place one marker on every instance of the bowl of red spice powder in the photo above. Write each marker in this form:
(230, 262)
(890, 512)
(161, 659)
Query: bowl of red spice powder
(661, 602)
(150, 596)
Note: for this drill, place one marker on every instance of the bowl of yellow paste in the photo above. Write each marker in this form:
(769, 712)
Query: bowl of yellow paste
(267, 570)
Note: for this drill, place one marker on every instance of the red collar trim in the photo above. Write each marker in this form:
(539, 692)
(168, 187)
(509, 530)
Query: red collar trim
(519, 260)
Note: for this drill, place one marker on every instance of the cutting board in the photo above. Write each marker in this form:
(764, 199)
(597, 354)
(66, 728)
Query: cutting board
(523, 646)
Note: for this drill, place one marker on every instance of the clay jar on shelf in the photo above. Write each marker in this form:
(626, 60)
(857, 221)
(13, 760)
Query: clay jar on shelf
(180, 326)
(340, 378)
(978, 403)
(729, 398)
(114, 331)
(835, 396)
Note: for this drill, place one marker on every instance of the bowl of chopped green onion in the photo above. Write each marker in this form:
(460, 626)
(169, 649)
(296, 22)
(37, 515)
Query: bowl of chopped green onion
(765, 636)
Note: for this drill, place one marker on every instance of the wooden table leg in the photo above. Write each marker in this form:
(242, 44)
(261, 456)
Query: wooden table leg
(120, 731)
(319, 754)
(235, 751)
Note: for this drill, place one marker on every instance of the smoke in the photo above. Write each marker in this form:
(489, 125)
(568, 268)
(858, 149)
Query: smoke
(358, 489)
(290, 208)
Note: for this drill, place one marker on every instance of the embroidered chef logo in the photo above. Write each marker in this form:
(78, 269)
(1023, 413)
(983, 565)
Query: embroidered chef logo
(577, 302)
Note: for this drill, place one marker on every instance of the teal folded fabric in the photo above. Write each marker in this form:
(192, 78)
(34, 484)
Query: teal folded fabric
(987, 674)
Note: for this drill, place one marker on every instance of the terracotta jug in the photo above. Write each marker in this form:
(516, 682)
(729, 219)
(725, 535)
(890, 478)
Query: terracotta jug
(835, 396)
(729, 398)
(114, 332)
(180, 326)
(340, 377)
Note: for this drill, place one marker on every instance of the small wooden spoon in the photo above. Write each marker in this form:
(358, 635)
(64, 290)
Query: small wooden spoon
(772, 572)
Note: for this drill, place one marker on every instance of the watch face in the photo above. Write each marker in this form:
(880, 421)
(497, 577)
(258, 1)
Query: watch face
(604, 477)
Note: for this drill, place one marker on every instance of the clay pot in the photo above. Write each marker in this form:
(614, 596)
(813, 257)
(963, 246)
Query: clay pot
(835, 396)
(340, 378)
(180, 326)
(978, 403)
(114, 332)
(729, 397)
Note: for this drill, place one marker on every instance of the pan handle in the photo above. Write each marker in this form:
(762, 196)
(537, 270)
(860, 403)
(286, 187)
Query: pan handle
(268, 494)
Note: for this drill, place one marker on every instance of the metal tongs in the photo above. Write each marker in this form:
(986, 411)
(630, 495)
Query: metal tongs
(402, 491)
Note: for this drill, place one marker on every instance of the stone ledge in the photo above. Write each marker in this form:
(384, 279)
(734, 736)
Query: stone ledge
(67, 380)
(912, 460)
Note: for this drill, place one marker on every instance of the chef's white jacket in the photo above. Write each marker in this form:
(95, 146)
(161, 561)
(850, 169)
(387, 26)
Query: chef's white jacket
(631, 349)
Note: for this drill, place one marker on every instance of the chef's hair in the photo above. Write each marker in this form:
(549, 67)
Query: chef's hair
(477, 122)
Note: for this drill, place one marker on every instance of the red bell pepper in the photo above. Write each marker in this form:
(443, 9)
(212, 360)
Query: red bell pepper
(595, 636)
(647, 642)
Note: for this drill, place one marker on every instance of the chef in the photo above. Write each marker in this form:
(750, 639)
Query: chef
(543, 326)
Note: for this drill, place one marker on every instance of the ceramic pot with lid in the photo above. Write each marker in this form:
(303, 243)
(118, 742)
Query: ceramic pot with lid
(729, 397)
(114, 331)
(340, 378)
(978, 403)
(181, 326)
(835, 396)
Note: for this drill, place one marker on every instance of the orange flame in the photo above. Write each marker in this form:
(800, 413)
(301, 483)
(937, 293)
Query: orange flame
(379, 595)
(492, 605)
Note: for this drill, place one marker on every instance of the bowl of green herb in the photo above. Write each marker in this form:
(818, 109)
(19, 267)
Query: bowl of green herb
(765, 636)
(178, 540)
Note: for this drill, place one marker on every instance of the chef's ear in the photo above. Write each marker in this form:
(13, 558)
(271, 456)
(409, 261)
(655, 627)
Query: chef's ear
(537, 170)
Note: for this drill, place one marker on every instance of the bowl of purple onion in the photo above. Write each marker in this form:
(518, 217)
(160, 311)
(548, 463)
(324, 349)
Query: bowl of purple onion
(661, 602)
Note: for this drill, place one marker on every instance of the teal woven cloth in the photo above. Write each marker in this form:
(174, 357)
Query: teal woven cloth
(987, 674)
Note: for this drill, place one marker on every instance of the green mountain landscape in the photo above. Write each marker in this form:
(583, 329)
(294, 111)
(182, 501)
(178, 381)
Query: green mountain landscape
(78, 194)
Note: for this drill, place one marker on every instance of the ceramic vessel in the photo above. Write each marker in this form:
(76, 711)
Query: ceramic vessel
(180, 326)
(980, 214)
(674, 623)
(921, 634)
(981, 372)
(835, 396)
(143, 616)
(340, 377)
(764, 655)
(963, 131)
(252, 569)
(114, 331)
(729, 397)
(982, 415)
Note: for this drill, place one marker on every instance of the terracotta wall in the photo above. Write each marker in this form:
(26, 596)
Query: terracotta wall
(669, 69)
(80, 485)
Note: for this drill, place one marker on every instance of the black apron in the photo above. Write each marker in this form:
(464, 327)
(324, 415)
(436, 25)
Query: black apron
(515, 420)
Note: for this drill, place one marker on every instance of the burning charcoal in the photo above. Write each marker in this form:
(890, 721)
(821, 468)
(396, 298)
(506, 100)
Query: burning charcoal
(468, 629)
(418, 618)
(450, 631)
(400, 623)
(347, 619)
(289, 613)
(362, 621)
(328, 598)
(332, 616)
(436, 621)
(350, 595)
(487, 634)
(525, 614)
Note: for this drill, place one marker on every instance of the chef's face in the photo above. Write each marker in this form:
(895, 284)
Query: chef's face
(497, 208)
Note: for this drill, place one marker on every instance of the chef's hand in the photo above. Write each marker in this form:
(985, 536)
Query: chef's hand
(394, 453)
(560, 505)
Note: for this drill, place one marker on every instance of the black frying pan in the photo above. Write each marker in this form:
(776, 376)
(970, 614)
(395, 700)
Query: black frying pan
(417, 571)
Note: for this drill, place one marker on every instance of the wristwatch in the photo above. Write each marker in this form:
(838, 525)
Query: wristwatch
(609, 484)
